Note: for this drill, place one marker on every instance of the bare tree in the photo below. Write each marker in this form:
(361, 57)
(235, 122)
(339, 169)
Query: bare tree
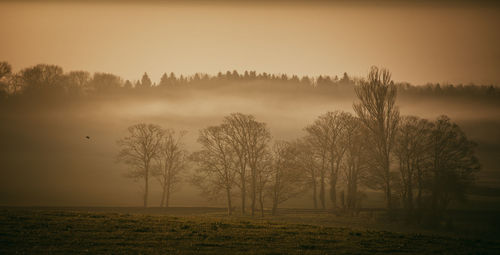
(327, 136)
(42, 77)
(235, 135)
(318, 139)
(216, 164)
(5, 73)
(138, 149)
(453, 165)
(171, 161)
(77, 82)
(286, 173)
(264, 178)
(378, 112)
(249, 140)
(5, 69)
(309, 164)
(105, 82)
(257, 143)
(411, 150)
(355, 159)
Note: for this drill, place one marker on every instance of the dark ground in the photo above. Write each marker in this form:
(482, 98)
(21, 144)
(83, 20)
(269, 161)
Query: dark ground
(102, 230)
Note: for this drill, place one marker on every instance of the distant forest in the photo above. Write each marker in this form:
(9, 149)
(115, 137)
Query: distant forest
(44, 80)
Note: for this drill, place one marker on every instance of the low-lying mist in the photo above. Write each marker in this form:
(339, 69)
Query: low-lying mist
(46, 159)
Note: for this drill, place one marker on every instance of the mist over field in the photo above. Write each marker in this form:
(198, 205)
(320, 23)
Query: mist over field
(48, 162)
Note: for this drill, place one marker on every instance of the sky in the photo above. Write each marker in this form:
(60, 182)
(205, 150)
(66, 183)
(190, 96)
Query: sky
(418, 43)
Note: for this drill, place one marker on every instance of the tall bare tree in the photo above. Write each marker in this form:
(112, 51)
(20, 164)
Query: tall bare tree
(236, 135)
(310, 165)
(411, 150)
(264, 178)
(249, 140)
(216, 164)
(355, 164)
(377, 110)
(138, 150)
(287, 176)
(318, 140)
(171, 161)
(453, 165)
(327, 136)
(257, 143)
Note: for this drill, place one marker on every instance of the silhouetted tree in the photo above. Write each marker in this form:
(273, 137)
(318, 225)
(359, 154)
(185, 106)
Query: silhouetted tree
(249, 139)
(410, 148)
(305, 81)
(42, 77)
(15, 84)
(327, 137)
(378, 112)
(138, 150)
(171, 161)
(286, 174)
(355, 163)
(453, 165)
(5, 73)
(264, 173)
(77, 82)
(310, 165)
(105, 82)
(319, 145)
(216, 163)
(5, 69)
(128, 85)
(164, 80)
(145, 81)
(345, 80)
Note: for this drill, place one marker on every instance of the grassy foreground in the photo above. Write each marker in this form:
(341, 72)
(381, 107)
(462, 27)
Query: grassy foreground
(61, 232)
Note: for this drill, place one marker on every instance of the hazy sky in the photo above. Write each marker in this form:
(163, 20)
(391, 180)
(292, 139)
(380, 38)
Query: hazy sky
(418, 43)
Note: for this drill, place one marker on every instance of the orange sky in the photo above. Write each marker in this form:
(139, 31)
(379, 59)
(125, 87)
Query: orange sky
(418, 44)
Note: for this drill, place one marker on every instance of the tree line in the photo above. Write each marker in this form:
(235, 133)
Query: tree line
(419, 165)
(43, 80)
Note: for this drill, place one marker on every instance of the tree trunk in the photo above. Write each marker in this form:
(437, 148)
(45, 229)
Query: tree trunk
(146, 186)
(275, 207)
(322, 191)
(229, 206)
(333, 192)
(261, 200)
(163, 196)
(315, 195)
(388, 196)
(254, 192)
(342, 199)
(167, 202)
(388, 184)
(354, 198)
(410, 195)
(276, 192)
(351, 192)
(419, 192)
(243, 194)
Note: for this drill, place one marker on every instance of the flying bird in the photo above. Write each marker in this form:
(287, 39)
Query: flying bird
(88, 137)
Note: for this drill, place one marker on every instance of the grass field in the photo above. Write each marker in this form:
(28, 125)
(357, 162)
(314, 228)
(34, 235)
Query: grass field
(121, 231)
